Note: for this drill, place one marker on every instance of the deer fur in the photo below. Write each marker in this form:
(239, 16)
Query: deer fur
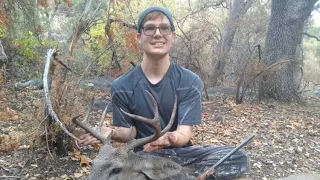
(117, 164)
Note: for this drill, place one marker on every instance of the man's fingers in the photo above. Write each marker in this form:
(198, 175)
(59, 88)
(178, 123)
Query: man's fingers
(163, 141)
(83, 136)
(91, 141)
(156, 145)
(88, 140)
(150, 148)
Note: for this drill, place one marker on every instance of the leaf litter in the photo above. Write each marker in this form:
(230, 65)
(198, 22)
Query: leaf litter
(287, 137)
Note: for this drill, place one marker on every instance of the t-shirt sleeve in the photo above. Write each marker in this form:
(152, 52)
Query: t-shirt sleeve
(190, 107)
(120, 99)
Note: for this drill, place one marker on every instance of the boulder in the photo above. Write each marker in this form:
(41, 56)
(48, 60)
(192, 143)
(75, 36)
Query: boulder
(100, 83)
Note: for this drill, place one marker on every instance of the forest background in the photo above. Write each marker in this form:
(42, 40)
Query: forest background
(257, 51)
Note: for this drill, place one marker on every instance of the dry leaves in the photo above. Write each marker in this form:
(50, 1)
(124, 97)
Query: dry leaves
(8, 143)
(10, 114)
(84, 160)
(287, 135)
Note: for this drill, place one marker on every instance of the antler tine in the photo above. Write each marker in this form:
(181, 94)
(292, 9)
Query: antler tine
(155, 123)
(86, 126)
(173, 115)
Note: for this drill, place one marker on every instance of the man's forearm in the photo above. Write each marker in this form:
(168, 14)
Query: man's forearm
(183, 136)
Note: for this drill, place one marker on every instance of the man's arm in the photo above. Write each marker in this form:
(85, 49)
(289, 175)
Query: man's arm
(120, 134)
(177, 138)
(183, 135)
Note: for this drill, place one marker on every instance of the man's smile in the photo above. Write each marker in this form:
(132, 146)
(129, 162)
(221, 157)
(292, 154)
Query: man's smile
(158, 43)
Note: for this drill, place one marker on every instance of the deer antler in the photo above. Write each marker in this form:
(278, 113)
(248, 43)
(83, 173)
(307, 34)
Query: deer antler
(155, 123)
(86, 126)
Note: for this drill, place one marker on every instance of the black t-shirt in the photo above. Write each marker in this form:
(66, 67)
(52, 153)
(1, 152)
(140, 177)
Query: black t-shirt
(129, 93)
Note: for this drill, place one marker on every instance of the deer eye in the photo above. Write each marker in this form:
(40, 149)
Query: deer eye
(116, 170)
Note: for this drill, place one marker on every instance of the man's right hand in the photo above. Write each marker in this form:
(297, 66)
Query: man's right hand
(88, 139)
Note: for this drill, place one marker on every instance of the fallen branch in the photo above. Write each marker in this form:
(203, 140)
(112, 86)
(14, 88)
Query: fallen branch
(17, 177)
(47, 93)
(271, 66)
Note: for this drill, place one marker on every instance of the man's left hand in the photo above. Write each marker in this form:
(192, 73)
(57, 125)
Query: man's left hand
(166, 140)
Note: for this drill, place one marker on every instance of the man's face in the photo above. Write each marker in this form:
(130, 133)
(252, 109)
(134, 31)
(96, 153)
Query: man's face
(159, 43)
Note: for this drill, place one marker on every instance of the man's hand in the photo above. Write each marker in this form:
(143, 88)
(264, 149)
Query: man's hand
(166, 140)
(177, 138)
(88, 139)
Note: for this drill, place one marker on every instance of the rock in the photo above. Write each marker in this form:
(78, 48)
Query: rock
(223, 90)
(37, 83)
(100, 83)
(271, 106)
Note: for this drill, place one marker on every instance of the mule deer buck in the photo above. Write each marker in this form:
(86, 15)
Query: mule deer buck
(122, 163)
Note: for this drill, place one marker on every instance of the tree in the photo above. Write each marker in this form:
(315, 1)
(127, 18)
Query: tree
(237, 10)
(282, 41)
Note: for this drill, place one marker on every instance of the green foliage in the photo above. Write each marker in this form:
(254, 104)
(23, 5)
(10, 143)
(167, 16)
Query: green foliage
(3, 31)
(97, 36)
(97, 42)
(29, 45)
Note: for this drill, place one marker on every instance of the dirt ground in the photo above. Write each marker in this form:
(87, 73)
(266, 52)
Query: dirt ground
(287, 137)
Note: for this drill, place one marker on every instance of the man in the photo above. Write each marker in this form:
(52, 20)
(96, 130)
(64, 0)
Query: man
(164, 79)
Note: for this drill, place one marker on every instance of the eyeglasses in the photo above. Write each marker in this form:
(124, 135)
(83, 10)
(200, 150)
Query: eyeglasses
(151, 30)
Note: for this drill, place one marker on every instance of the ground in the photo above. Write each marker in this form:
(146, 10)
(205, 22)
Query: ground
(287, 137)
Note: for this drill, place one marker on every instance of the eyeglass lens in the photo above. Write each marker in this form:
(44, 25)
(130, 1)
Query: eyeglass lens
(151, 30)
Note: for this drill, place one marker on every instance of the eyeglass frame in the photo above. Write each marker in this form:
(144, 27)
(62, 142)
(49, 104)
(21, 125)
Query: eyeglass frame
(155, 31)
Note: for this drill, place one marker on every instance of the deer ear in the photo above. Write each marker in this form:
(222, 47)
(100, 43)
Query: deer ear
(159, 168)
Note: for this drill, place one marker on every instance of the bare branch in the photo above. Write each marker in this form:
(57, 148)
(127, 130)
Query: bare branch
(316, 7)
(55, 57)
(207, 5)
(130, 10)
(94, 61)
(123, 23)
(311, 36)
(85, 22)
(47, 93)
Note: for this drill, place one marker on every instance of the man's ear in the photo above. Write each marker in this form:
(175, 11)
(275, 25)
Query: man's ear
(158, 167)
(138, 36)
(174, 36)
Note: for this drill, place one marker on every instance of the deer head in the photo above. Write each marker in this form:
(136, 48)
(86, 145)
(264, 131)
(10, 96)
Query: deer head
(122, 163)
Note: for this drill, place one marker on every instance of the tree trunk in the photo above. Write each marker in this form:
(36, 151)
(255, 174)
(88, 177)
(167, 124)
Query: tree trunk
(113, 46)
(238, 9)
(283, 37)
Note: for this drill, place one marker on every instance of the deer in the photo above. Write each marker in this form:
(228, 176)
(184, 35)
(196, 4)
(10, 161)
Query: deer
(122, 163)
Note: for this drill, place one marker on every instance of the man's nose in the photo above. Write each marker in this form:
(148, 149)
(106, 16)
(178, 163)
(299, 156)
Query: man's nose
(157, 32)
